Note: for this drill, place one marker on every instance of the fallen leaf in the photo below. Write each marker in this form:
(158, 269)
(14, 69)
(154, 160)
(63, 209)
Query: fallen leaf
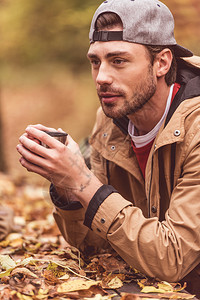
(129, 297)
(165, 286)
(49, 275)
(76, 285)
(115, 283)
(23, 271)
(7, 262)
(64, 277)
(152, 289)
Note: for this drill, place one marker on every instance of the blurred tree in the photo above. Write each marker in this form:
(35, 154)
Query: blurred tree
(57, 31)
(45, 31)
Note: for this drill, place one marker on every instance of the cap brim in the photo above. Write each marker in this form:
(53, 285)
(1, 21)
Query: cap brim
(180, 51)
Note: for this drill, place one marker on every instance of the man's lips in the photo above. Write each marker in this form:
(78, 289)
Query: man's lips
(108, 97)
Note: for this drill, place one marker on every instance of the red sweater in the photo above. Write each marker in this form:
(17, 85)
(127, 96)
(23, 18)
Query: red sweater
(142, 153)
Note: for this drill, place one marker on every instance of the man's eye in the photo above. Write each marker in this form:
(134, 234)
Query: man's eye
(118, 61)
(94, 62)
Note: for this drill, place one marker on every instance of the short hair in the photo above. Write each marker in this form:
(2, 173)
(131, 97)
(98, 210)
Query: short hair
(109, 20)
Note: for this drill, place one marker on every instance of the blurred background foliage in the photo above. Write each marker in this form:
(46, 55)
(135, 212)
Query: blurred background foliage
(45, 76)
(48, 31)
(45, 31)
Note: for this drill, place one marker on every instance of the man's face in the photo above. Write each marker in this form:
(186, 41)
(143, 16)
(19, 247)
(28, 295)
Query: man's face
(123, 75)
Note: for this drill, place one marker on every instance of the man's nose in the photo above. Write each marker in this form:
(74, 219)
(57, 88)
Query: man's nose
(104, 75)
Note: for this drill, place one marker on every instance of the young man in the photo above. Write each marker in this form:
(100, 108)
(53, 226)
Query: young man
(142, 196)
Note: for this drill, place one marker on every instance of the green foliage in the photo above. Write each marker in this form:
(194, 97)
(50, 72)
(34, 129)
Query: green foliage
(45, 31)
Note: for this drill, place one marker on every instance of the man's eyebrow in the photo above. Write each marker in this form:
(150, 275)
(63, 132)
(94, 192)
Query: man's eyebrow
(108, 55)
(117, 53)
(92, 55)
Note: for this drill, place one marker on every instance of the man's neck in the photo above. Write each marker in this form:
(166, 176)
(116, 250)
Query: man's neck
(146, 118)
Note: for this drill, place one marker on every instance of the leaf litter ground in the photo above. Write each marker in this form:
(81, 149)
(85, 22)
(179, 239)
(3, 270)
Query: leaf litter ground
(36, 262)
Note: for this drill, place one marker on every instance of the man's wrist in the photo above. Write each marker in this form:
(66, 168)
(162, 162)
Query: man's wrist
(85, 194)
(82, 193)
(60, 199)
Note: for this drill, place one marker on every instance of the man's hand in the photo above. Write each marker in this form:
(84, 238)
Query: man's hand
(63, 165)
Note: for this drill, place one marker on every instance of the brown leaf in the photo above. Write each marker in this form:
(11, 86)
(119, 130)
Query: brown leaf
(49, 275)
(130, 297)
(23, 271)
(112, 264)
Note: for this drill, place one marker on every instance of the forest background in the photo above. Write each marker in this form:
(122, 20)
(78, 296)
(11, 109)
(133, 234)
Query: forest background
(44, 74)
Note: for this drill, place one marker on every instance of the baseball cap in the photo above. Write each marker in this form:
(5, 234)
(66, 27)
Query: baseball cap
(147, 22)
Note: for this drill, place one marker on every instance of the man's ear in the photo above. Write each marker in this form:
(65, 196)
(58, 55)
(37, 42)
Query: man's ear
(163, 62)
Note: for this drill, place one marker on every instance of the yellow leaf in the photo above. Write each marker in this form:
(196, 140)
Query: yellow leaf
(140, 283)
(13, 236)
(16, 243)
(115, 283)
(180, 288)
(43, 292)
(23, 297)
(152, 289)
(26, 261)
(76, 285)
(165, 286)
(6, 273)
(4, 243)
(7, 262)
(64, 277)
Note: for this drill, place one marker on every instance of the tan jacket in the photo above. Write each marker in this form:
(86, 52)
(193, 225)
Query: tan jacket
(154, 226)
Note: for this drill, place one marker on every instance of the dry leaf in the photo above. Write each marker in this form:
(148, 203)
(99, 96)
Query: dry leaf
(115, 283)
(165, 286)
(36, 262)
(16, 243)
(7, 262)
(152, 289)
(23, 271)
(64, 277)
(49, 275)
(76, 285)
(129, 297)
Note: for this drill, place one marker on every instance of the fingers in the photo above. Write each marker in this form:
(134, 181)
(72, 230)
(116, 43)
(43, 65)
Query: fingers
(33, 168)
(30, 145)
(42, 127)
(43, 137)
(31, 157)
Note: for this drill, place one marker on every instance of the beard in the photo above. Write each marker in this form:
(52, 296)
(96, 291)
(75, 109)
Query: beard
(142, 93)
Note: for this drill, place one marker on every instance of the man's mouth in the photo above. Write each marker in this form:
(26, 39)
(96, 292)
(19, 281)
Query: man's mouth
(108, 97)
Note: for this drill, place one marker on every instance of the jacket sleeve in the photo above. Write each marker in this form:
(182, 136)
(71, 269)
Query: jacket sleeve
(69, 217)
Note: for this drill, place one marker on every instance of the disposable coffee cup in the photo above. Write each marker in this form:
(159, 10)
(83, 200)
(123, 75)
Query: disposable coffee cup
(60, 136)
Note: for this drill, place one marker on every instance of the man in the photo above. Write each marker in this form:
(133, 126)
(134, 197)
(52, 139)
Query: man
(142, 195)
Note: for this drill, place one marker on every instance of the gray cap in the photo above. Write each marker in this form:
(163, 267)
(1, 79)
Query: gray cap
(147, 22)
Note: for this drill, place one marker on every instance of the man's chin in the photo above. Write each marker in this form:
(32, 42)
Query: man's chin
(110, 112)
